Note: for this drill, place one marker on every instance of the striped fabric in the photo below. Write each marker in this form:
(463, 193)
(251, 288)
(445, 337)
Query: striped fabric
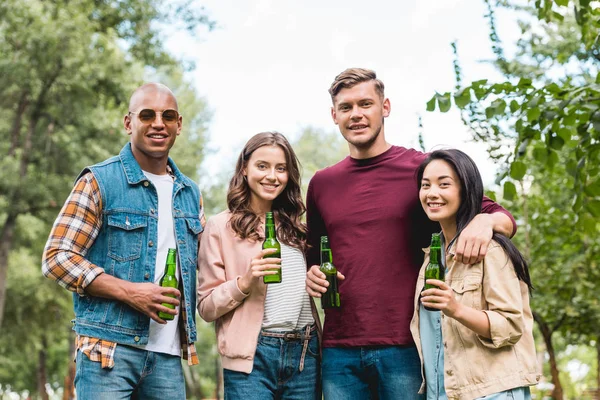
(64, 261)
(287, 305)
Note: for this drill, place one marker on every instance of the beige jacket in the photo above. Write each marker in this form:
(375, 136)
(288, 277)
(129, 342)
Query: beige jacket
(222, 258)
(475, 366)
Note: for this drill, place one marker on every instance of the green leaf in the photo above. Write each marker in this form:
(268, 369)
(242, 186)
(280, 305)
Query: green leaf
(533, 114)
(589, 225)
(524, 82)
(593, 189)
(514, 106)
(594, 208)
(490, 112)
(540, 154)
(598, 78)
(570, 120)
(431, 103)
(491, 194)
(565, 133)
(552, 158)
(463, 98)
(518, 170)
(563, 3)
(577, 203)
(556, 142)
(510, 190)
(499, 106)
(444, 102)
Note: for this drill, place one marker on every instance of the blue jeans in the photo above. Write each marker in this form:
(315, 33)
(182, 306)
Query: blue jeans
(276, 372)
(373, 372)
(136, 374)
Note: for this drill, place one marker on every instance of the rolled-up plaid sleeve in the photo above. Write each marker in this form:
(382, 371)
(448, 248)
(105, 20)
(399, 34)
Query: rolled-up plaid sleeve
(72, 235)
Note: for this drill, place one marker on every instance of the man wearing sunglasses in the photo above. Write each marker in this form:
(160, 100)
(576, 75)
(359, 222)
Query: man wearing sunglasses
(109, 246)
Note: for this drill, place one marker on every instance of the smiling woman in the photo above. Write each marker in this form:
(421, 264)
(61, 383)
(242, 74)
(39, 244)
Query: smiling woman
(231, 290)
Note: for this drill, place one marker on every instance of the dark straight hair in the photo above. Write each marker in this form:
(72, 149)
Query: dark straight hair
(471, 196)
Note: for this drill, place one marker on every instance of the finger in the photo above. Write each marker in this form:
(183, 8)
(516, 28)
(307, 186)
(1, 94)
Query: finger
(312, 292)
(264, 267)
(268, 261)
(340, 276)
(475, 252)
(459, 250)
(154, 315)
(167, 291)
(468, 253)
(316, 272)
(482, 251)
(317, 285)
(266, 252)
(440, 284)
(169, 300)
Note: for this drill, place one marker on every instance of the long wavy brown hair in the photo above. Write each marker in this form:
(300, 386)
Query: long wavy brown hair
(287, 208)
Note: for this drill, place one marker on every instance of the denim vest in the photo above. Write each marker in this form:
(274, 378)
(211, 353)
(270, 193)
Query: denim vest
(126, 247)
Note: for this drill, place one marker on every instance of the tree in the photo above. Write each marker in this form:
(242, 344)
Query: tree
(543, 126)
(550, 99)
(66, 74)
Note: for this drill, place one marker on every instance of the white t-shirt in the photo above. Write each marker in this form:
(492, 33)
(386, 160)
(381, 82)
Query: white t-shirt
(287, 305)
(164, 338)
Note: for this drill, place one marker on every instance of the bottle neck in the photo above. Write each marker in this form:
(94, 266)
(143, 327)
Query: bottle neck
(269, 230)
(170, 269)
(435, 255)
(326, 255)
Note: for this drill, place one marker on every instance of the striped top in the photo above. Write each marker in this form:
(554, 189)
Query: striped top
(287, 305)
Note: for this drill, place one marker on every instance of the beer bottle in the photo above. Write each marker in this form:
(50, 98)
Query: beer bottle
(435, 269)
(271, 243)
(169, 279)
(331, 298)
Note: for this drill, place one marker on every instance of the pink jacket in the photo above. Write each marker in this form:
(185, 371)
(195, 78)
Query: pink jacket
(222, 258)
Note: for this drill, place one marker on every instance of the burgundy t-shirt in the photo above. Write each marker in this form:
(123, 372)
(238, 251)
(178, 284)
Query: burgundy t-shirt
(371, 212)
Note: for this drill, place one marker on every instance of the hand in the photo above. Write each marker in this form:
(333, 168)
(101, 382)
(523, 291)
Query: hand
(316, 282)
(147, 298)
(259, 267)
(473, 242)
(441, 298)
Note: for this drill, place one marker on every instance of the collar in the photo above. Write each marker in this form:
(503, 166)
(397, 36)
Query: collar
(134, 172)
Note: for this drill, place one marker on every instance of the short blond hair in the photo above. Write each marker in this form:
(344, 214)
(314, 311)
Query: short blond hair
(353, 76)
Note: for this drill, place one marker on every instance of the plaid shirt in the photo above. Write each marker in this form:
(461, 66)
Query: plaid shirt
(64, 261)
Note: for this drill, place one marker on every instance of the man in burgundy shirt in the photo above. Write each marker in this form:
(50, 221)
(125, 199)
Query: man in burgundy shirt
(369, 207)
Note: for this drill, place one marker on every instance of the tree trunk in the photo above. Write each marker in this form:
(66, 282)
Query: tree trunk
(42, 378)
(69, 384)
(15, 131)
(598, 368)
(6, 239)
(557, 392)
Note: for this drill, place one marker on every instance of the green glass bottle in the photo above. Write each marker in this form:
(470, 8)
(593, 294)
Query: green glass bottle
(435, 269)
(169, 279)
(271, 243)
(331, 298)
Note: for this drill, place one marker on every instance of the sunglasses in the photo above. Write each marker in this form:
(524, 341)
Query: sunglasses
(147, 116)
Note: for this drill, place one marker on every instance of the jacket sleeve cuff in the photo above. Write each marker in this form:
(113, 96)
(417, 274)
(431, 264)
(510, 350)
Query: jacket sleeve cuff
(498, 329)
(236, 293)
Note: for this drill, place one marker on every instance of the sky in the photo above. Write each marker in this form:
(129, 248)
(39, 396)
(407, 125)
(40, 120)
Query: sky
(269, 63)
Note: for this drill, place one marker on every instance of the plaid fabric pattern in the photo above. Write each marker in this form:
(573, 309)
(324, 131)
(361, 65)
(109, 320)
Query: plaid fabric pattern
(72, 235)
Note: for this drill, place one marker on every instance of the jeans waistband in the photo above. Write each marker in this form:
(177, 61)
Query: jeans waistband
(300, 334)
(303, 335)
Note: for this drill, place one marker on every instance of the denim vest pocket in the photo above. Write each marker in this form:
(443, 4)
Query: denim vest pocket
(125, 235)
(194, 229)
